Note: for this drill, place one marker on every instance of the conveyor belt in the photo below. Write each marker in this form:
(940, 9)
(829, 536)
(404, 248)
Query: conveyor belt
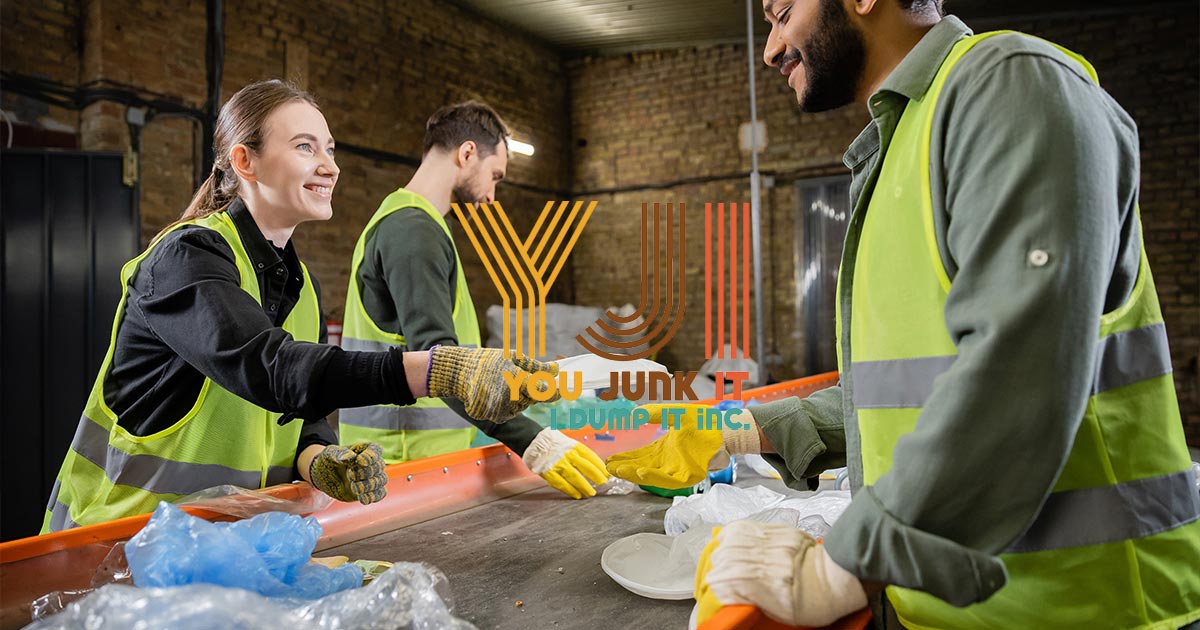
(511, 550)
(481, 496)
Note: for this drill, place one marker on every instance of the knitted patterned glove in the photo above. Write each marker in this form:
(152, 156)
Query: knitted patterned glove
(350, 473)
(474, 376)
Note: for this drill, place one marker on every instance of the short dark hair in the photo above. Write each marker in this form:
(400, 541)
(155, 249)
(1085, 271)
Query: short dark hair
(453, 125)
(919, 5)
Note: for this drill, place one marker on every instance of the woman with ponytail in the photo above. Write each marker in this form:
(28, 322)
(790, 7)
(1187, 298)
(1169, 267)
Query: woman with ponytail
(215, 373)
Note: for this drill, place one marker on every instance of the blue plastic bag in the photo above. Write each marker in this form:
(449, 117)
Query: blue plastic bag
(267, 554)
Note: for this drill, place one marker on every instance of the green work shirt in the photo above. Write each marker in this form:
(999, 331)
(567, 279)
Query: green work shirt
(408, 282)
(1026, 152)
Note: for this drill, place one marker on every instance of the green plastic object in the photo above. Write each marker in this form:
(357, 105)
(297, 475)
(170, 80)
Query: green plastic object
(663, 492)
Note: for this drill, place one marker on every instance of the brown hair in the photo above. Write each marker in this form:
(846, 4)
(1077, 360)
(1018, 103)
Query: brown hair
(453, 125)
(242, 121)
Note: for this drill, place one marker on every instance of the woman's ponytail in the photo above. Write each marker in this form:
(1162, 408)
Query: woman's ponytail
(242, 121)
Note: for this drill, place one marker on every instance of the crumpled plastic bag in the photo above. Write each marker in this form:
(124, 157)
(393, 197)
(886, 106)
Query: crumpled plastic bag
(724, 503)
(244, 503)
(267, 554)
(113, 570)
(407, 596)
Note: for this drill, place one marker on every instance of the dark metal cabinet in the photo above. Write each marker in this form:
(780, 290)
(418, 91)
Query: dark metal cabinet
(67, 225)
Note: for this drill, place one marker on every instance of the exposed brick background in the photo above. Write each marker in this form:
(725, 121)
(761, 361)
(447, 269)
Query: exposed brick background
(379, 70)
(42, 39)
(636, 123)
(681, 108)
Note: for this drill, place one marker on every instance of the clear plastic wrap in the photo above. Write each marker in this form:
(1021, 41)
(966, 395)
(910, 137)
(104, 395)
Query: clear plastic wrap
(754, 464)
(407, 596)
(267, 554)
(724, 504)
(113, 570)
(243, 503)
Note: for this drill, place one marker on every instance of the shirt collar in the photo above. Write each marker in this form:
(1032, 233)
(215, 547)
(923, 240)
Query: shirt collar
(263, 254)
(910, 79)
(916, 71)
(863, 146)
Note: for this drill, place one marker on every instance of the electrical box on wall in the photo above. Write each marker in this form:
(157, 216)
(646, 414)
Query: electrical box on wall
(759, 137)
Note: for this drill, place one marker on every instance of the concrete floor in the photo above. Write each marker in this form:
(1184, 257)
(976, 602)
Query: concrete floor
(511, 550)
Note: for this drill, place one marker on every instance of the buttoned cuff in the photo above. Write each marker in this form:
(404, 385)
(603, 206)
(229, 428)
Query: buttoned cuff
(794, 437)
(871, 543)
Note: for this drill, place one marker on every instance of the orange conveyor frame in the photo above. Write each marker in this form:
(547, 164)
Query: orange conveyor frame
(418, 491)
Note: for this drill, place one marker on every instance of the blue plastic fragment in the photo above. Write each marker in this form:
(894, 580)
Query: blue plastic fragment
(267, 554)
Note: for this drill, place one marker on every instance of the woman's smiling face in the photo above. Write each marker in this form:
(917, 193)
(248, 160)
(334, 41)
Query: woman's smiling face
(295, 171)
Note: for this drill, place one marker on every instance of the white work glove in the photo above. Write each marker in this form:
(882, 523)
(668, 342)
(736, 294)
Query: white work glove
(565, 464)
(778, 568)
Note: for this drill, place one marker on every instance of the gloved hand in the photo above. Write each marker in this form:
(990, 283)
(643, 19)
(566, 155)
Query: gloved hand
(778, 568)
(565, 464)
(350, 473)
(683, 456)
(473, 375)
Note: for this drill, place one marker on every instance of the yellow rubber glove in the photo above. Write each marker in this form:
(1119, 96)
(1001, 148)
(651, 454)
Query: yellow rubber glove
(473, 375)
(683, 456)
(566, 464)
(707, 604)
(778, 568)
(350, 473)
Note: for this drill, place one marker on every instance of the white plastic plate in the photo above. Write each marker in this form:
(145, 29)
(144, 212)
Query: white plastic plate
(640, 564)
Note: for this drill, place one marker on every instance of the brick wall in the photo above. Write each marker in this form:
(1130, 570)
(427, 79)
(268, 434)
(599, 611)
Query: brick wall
(41, 39)
(680, 109)
(379, 70)
(626, 124)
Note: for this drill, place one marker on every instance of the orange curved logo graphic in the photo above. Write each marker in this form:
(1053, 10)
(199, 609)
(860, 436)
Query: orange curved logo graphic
(524, 271)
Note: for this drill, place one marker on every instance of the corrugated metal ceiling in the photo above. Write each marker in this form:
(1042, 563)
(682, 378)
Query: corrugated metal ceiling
(608, 26)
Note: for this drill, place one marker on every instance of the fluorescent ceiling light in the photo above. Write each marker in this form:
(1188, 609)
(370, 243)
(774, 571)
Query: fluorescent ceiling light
(520, 147)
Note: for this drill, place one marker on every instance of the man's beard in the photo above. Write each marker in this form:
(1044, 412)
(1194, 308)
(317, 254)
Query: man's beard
(834, 59)
(466, 194)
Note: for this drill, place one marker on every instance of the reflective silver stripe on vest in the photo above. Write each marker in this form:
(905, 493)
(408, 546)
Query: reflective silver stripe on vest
(60, 517)
(1094, 516)
(279, 474)
(897, 383)
(158, 474)
(54, 494)
(403, 418)
(1131, 356)
(1123, 358)
(362, 345)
